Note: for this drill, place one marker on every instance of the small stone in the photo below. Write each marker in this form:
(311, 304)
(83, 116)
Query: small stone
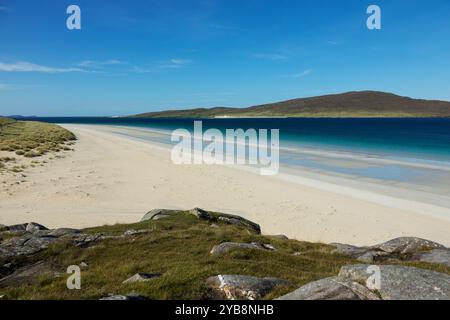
(124, 298)
(268, 246)
(227, 246)
(133, 232)
(142, 277)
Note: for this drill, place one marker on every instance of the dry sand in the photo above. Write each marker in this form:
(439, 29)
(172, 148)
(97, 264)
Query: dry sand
(111, 178)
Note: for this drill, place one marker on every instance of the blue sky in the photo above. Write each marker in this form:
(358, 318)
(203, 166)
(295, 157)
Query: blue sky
(138, 56)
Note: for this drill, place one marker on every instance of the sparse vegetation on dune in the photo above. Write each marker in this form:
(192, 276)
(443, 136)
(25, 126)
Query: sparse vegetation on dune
(31, 139)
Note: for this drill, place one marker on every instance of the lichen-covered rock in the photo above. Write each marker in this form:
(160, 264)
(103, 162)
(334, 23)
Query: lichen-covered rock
(398, 249)
(240, 287)
(333, 288)
(25, 245)
(403, 283)
(407, 245)
(394, 282)
(227, 246)
(440, 256)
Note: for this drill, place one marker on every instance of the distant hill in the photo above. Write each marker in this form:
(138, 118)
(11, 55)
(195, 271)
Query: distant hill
(371, 104)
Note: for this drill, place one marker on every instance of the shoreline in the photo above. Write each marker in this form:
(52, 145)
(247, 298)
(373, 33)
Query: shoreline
(112, 178)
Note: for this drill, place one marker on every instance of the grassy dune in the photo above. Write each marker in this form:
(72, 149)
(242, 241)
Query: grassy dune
(31, 139)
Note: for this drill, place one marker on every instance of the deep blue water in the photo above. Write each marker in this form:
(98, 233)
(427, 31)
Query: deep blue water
(422, 139)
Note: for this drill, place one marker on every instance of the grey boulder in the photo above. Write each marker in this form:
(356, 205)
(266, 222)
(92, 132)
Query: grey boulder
(407, 245)
(395, 282)
(440, 256)
(240, 287)
(334, 288)
(403, 283)
(25, 245)
(398, 249)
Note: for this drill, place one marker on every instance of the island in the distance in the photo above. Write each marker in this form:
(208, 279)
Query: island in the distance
(357, 104)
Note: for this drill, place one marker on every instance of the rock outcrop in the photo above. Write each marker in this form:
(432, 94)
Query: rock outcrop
(157, 214)
(395, 283)
(333, 288)
(403, 283)
(398, 249)
(240, 287)
(28, 274)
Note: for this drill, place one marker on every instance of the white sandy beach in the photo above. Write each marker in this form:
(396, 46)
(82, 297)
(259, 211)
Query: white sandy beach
(111, 178)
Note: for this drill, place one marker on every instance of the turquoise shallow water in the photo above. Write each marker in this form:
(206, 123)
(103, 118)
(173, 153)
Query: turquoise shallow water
(413, 151)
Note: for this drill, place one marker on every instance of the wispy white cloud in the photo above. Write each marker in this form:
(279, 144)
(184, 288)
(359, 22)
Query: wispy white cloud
(23, 66)
(269, 56)
(96, 64)
(301, 74)
(137, 69)
(174, 63)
